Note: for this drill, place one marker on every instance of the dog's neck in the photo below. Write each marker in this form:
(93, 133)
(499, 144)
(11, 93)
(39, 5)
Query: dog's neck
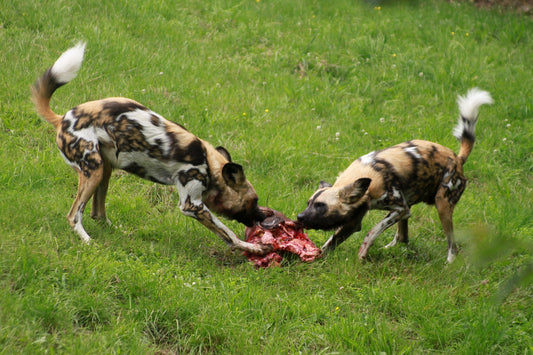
(216, 162)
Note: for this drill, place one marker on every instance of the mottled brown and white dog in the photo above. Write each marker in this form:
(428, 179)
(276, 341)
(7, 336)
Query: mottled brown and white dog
(394, 179)
(98, 136)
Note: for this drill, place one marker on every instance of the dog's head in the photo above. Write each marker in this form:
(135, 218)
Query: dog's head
(236, 198)
(331, 207)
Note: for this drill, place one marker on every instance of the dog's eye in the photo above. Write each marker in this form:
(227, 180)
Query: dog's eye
(320, 206)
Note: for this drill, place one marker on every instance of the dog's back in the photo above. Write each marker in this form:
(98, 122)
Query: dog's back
(415, 169)
(131, 137)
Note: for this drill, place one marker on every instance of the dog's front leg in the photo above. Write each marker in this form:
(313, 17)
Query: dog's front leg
(393, 217)
(199, 211)
(191, 205)
(402, 234)
(340, 235)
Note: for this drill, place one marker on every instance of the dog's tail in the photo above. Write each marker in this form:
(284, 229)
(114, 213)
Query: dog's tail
(64, 70)
(468, 110)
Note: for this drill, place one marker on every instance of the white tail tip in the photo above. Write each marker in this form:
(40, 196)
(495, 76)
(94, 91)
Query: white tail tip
(469, 108)
(67, 66)
(470, 103)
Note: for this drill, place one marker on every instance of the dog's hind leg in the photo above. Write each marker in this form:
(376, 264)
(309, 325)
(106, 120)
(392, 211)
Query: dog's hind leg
(445, 210)
(448, 194)
(98, 209)
(86, 188)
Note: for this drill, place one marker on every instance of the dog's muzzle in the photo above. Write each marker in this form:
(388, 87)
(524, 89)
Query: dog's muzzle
(312, 220)
(305, 219)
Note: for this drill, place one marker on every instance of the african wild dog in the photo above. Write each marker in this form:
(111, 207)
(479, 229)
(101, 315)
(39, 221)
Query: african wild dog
(98, 136)
(394, 179)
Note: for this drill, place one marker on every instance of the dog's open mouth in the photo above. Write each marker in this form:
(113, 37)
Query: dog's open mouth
(285, 236)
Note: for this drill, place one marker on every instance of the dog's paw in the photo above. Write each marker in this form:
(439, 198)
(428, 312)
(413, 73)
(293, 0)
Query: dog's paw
(86, 240)
(451, 257)
(259, 249)
(264, 248)
(392, 243)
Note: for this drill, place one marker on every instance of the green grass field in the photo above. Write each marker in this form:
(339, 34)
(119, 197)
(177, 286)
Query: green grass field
(295, 90)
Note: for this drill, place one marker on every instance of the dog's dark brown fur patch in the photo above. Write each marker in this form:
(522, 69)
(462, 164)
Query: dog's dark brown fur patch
(400, 177)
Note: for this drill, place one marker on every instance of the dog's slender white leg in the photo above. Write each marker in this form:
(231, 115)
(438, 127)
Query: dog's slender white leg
(78, 227)
(392, 243)
(199, 211)
(445, 209)
(86, 187)
(191, 205)
(385, 223)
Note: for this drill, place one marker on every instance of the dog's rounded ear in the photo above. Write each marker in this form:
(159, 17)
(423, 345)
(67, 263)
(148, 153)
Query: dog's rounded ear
(233, 174)
(324, 184)
(352, 193)
(224, 152)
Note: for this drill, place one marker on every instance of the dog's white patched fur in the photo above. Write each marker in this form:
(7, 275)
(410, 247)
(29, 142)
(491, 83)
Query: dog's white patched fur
(119, 133)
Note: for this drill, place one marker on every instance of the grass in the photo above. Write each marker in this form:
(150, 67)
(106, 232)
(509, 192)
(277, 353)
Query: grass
(274, 82)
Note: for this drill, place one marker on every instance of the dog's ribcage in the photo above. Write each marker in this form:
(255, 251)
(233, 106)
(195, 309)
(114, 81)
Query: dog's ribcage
(128, 136)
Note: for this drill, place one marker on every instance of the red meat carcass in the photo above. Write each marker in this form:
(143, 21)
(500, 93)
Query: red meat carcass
(284, 235)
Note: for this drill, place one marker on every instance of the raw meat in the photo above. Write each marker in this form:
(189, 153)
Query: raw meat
(284, 235)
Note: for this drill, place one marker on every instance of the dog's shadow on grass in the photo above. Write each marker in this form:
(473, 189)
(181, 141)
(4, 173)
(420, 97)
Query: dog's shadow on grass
(412, 252)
